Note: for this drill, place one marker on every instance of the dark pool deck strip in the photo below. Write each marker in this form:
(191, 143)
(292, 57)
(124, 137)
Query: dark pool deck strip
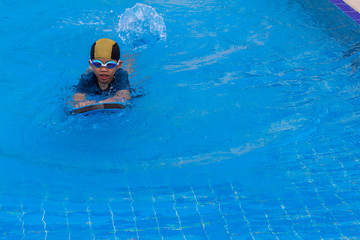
(347, 9)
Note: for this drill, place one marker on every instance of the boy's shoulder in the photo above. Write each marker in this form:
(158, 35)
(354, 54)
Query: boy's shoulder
(121, 71)
(87, 76)
(121, 74)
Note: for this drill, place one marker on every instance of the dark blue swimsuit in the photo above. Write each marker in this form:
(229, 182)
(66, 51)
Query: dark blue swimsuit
(88, 84)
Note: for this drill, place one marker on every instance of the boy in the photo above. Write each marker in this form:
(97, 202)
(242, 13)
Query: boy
(107, 80)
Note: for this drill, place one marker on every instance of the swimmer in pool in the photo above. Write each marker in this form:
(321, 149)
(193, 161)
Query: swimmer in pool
(107, 79)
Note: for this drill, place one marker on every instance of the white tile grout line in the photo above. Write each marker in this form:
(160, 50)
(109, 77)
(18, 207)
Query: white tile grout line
(310, 179)
(22, 222)
(289, 219)
(197, 210)
(89, 217)
(226, 226)
(43, 217)
(282, 205)
(335, 186)
(177, 214)
(270, 228)
(156, 218)
(316, 158)
(133, 212)
(242, 210)
(313, 223)
(67, 217)
(112, 218)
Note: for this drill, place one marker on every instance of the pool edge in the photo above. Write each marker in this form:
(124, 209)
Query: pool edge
(350, 8)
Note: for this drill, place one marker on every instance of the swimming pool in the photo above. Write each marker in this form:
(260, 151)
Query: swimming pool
(244, 123)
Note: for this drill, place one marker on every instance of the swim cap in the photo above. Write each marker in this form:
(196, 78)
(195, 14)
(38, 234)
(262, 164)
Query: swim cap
(105, 48)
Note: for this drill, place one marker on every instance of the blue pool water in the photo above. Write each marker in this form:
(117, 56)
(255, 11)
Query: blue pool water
(244, 122)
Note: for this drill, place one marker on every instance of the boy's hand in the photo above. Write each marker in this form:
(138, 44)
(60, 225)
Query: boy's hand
(109, 100)
(84, 103)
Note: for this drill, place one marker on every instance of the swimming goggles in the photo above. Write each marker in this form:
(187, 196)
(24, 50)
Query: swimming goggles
(98, 64)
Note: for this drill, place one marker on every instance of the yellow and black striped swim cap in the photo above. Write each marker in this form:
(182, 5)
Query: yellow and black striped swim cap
(105, 48)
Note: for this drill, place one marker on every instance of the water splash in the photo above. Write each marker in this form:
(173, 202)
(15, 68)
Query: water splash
(141, 26)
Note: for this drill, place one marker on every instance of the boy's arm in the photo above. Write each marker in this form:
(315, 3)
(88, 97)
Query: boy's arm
(79, 100)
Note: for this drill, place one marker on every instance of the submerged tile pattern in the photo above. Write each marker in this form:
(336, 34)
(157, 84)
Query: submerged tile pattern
(211, 211)
(347, 9)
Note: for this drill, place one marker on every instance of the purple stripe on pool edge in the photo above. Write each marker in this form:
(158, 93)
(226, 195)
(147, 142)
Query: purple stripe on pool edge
(348, 10)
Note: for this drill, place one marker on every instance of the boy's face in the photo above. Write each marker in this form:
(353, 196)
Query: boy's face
(103, 74)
